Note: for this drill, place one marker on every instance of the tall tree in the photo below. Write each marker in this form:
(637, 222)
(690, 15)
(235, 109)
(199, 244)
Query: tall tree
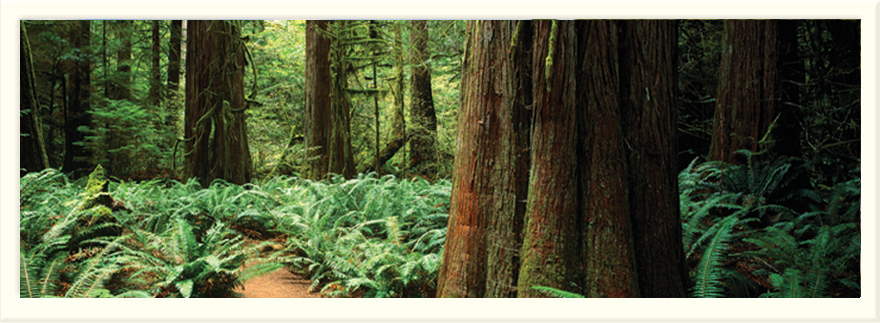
(579, 227)
(79, 101)
(174, 55)
(216, 134)
(327, 138)
(748, 81)
(341, 158)
(608, 257)
(424, 120)
(33, 150)
(155, 82)
(318, 83)
(648, 70)
(122, 81)
(490, 177)
(550, 253)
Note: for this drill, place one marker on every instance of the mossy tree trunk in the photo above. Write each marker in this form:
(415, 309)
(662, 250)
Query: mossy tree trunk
(339, 149)
(216, 146)
(747, 87)
(173, 83)
(398, 124)
(78, 102)
(33, 150)
(490, 178)
(424, 120)
(648, 72)
(551, 251)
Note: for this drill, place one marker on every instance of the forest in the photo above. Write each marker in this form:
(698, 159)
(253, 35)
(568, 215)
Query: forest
(441, 158)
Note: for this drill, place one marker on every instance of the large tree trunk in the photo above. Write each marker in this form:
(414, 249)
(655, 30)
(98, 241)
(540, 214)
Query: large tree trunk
(78, 107)
(216, 132)
(318, 119)
(424, 129)
(747, 87)
(648, 71)
(609, 260)
(32, 149)
(490, 177)
(550, 253)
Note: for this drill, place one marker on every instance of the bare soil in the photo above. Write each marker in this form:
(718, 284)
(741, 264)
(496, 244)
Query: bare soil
(278, 284)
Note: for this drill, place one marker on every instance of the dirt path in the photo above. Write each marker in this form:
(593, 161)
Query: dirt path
(278, 284)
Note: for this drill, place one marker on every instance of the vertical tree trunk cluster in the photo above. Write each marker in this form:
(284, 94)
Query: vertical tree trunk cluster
(424, 120)
(216, 146)
(33, 153)
(563, 126)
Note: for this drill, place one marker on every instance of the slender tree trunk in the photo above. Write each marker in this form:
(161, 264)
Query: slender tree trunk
(174, 55)
(78, 107)
(217, 146)
(341, 158)
(398, 124)
(424, 130)
(155, 82)
(123, 61)
(551, 251)
(648, 72)
(747, 87)
(33, 148)
(490, 178)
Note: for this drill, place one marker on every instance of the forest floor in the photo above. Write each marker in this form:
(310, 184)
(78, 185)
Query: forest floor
(278, 284)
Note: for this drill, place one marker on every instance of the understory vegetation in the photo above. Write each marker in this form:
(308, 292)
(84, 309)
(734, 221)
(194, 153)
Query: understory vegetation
(370, 236)
(749, 230)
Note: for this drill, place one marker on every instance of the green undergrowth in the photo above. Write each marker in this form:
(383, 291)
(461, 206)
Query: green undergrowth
(369, 236)
(760, 229)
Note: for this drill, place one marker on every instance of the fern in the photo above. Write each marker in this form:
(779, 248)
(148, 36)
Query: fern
(556, 292)
(707, 276)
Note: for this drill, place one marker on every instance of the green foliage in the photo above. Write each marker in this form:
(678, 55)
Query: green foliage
(737, 232)
(556, 292)
(124, 136)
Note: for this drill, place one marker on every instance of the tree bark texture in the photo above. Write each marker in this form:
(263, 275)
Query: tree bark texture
(424, 121)
(217, 146)
(78, 102)
(648, 71)
(33, 156)
(609, 260)
(490, 180)
(318, 82)
(747, 87)
(550, 252)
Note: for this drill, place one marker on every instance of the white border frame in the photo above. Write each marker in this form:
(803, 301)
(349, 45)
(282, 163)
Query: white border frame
(14, 309)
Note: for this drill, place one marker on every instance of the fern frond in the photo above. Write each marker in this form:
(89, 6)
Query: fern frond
(556, 292)
(707, 282)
